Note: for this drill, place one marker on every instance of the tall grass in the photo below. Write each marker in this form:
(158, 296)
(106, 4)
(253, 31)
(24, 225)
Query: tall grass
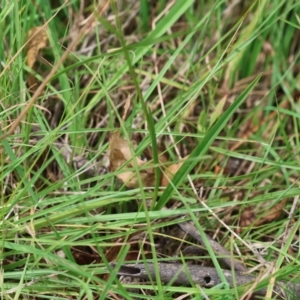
(65, 216)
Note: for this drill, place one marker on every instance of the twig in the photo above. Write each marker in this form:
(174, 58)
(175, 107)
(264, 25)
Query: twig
(222, 254)
(206, 277)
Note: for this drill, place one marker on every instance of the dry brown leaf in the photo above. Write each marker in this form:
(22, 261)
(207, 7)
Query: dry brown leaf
(37, 39)
(119, 154)
(169, 173)
(249, 215)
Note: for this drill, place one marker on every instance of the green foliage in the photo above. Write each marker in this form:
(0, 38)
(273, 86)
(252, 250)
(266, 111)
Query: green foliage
(59, 198)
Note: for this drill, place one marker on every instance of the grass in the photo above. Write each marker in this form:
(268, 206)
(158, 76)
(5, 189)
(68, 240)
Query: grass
(218, 81)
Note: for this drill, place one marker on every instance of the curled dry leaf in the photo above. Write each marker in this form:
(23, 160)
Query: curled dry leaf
(169, 173)
(249, 215)
(37, 39)
(120, 154)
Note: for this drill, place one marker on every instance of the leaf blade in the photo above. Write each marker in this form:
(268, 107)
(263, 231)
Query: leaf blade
(208, 139)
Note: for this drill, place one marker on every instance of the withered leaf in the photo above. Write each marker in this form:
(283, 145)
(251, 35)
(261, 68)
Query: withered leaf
(37, 39)
(169, 173)
(120, 154)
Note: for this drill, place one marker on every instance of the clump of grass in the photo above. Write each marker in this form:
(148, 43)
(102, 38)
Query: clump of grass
(215, 81)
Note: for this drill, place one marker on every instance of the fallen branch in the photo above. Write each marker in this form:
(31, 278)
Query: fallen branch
(206, 277)
(222, 254)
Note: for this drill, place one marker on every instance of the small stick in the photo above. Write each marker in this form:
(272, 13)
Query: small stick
(206, 277)
(222, 254)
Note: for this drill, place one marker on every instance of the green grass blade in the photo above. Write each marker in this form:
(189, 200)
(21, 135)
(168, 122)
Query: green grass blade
(201, 149)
